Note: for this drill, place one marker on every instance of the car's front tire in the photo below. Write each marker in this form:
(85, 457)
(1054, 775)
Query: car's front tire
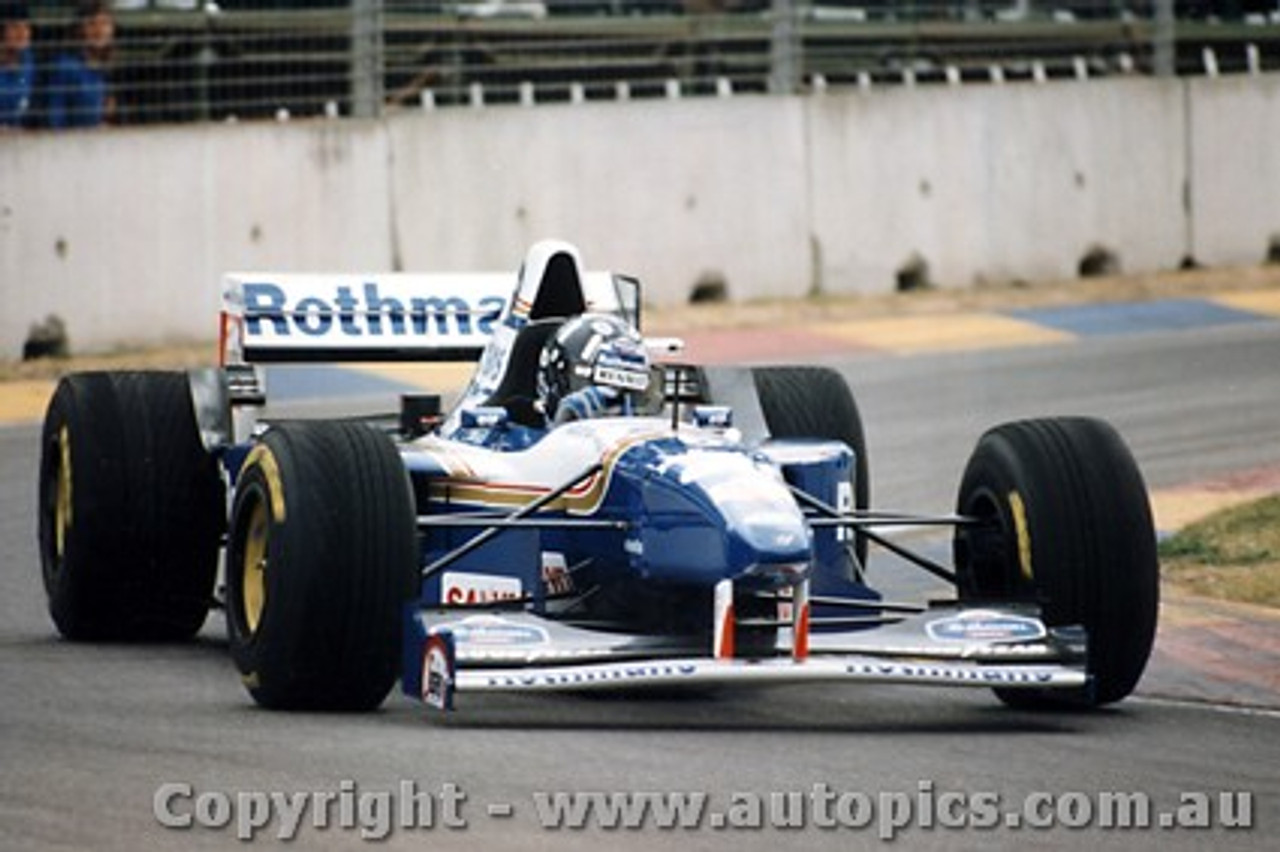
(1066, 523)
(321, 558)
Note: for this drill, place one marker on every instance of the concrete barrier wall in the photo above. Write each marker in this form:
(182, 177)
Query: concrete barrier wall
(126, 233)
(996, 183)
(666, 191)
(1235, 158)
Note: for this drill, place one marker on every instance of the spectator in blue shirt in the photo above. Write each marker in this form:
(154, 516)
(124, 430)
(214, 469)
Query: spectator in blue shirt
(75, 87)
(17, 64)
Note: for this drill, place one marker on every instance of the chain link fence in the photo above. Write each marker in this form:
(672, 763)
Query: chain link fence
(236, 60)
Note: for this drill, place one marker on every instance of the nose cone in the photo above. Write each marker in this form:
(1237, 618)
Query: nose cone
(716, 514)
(762, 519)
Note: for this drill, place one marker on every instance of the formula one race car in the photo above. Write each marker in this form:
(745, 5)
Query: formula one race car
(579, 519)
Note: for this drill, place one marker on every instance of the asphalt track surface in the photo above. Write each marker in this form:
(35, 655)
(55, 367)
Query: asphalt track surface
(88, 734)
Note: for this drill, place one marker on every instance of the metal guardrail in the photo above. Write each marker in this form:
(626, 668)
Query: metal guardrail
(219, 63)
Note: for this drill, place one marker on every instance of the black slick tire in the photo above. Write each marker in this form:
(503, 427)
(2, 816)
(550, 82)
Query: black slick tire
(1067, 525)
(816, 402)
(131, 508)
(321, 558)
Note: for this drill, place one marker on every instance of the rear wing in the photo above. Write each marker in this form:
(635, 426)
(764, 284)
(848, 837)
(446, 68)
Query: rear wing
(274, 317)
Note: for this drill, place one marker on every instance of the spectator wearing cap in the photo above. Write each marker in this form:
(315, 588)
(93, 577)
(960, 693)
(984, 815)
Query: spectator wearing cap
(76, 87)
(17, 64)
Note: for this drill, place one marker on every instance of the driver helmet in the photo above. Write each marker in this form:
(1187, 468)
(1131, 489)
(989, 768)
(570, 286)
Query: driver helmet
(595, 364)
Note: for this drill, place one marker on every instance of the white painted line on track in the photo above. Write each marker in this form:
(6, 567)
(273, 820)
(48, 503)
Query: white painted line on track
(1250, 710)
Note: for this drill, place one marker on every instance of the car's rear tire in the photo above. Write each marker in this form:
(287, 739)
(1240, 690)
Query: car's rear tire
(321, 558)
(131, 510)
(816, 402)
(1069, 526)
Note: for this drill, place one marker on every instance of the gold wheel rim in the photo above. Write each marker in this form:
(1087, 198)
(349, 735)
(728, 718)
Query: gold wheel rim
(62, 511)
(253, 567)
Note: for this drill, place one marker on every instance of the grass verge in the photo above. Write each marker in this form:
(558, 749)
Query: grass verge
(1232, 555)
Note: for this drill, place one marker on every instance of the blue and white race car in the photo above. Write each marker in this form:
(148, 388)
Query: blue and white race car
(580, 518)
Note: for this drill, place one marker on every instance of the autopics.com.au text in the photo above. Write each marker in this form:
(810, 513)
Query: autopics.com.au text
(374, 814)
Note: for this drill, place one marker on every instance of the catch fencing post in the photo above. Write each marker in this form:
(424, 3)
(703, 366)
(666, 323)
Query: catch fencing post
(366, 58)
(1164, 40)
(786, 46)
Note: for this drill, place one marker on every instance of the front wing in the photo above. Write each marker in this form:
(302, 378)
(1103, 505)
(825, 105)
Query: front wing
(448, 652)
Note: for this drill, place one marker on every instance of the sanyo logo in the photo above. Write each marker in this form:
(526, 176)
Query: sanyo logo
(270, 311)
